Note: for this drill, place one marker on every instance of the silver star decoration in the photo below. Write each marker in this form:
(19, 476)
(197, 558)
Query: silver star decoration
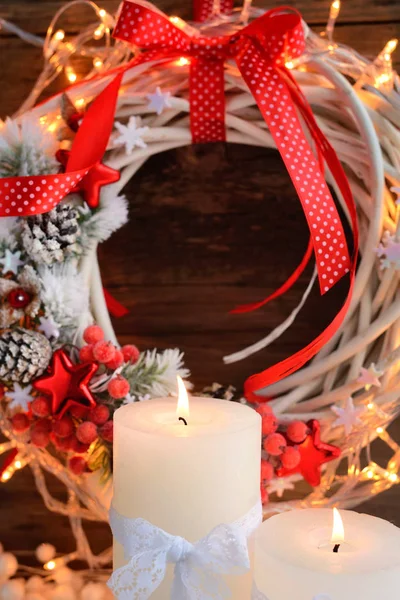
(396, 190)
(131, 135)
(11, 262)
(348, 416)
(159, 100)
(280, 485)
(20, 397)
(370, 376)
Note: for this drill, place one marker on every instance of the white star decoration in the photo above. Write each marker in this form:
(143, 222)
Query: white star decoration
(279, 485)
(49, 327)
(396, 190)
(131, 135)
(348, 416)
(20, 397)
(389, 251)
(159, 100)
(370, 376)
(11, 261)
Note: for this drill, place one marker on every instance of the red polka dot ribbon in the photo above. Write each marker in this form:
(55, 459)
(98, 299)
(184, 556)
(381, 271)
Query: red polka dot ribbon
(261, 52)
(206, 9)
(25, 196)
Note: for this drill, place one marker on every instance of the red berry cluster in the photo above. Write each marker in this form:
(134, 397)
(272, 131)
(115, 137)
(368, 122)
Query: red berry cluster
(79, 427)
(72, 433)
(97, 349)
(279, 445)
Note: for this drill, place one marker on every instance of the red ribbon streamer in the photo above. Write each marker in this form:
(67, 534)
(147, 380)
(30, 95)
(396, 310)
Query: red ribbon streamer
(114, 307)
(261, 51)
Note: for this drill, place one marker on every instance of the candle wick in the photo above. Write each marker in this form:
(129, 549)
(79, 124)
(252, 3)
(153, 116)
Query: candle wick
(336, 548)
(182, 419)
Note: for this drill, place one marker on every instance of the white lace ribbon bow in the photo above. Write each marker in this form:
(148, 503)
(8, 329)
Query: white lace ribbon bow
(199, 567)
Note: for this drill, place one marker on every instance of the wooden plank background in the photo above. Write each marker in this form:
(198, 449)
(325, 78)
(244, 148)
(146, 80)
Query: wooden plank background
(211, 227)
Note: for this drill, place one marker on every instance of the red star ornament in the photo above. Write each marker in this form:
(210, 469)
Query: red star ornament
(67, 384)
(314, 454)
(91, 184)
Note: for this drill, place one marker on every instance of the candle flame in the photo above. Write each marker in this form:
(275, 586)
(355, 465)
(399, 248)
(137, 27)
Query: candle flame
(338, 528)
(182, 409)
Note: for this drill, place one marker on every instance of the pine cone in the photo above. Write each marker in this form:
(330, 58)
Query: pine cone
(48, 238)
(24, 355)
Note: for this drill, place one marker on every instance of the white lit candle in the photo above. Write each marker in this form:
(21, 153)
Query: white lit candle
(298, 556)
(186, 479)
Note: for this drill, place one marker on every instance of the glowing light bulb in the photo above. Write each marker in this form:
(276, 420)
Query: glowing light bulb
(370, 474)
(97, 63)
(182, 61)
(99, 32)
(390, 46)
(370, 406)
(289, 64)
(50, 565)
(18, 464)
(102, 13)
(379, 430)
(5, 476)
(335, 9)
(71, 75)
(59, 35)
(393, 478)
(80, 103)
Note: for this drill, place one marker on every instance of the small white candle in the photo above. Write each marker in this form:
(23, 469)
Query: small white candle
(186, 479)
(295, 558)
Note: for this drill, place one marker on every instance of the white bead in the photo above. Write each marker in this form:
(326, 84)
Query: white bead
(63, 592)
(8, 565)
(45, 552)
(94, 591)
(12, 590)
(63, 575)
(34, 583)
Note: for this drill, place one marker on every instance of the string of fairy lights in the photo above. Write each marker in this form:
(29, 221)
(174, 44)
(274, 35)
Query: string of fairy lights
(94, 43)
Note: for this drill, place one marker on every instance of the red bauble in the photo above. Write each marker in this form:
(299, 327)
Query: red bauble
(87, 432)
(93, 334)
(40, 438)
(67, 384)
(19, 298)
(290, 457)
(274, 444)
(118, 387)
(77, 447)
(77, 465)
(99, 415)
(20, 423)
(267, 470)
(297, 431)
(103, 352)
(131, 353)
(264, 409)
(63, 427)
(269, 423)
(41, 407)
(117, 361)
(313, 454)
(86, 354)
(107, 431)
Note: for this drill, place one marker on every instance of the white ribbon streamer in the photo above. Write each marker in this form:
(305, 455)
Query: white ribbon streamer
(199, 568)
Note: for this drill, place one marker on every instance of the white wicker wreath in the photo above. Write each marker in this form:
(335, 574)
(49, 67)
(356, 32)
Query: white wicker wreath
(357, 106)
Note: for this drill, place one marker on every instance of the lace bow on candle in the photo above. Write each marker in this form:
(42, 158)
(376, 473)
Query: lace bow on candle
(199, 568)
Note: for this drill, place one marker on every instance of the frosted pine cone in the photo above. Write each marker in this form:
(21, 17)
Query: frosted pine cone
(50, 237)
(24, 355)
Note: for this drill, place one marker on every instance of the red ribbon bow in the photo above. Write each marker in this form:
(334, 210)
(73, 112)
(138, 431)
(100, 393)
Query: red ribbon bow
(261, 51)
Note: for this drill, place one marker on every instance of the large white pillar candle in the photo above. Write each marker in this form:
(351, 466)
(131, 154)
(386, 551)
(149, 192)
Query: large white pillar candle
(186, 479)
(295, 557)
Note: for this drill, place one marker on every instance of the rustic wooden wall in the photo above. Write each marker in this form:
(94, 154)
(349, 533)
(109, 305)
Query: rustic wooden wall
(211, 227)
